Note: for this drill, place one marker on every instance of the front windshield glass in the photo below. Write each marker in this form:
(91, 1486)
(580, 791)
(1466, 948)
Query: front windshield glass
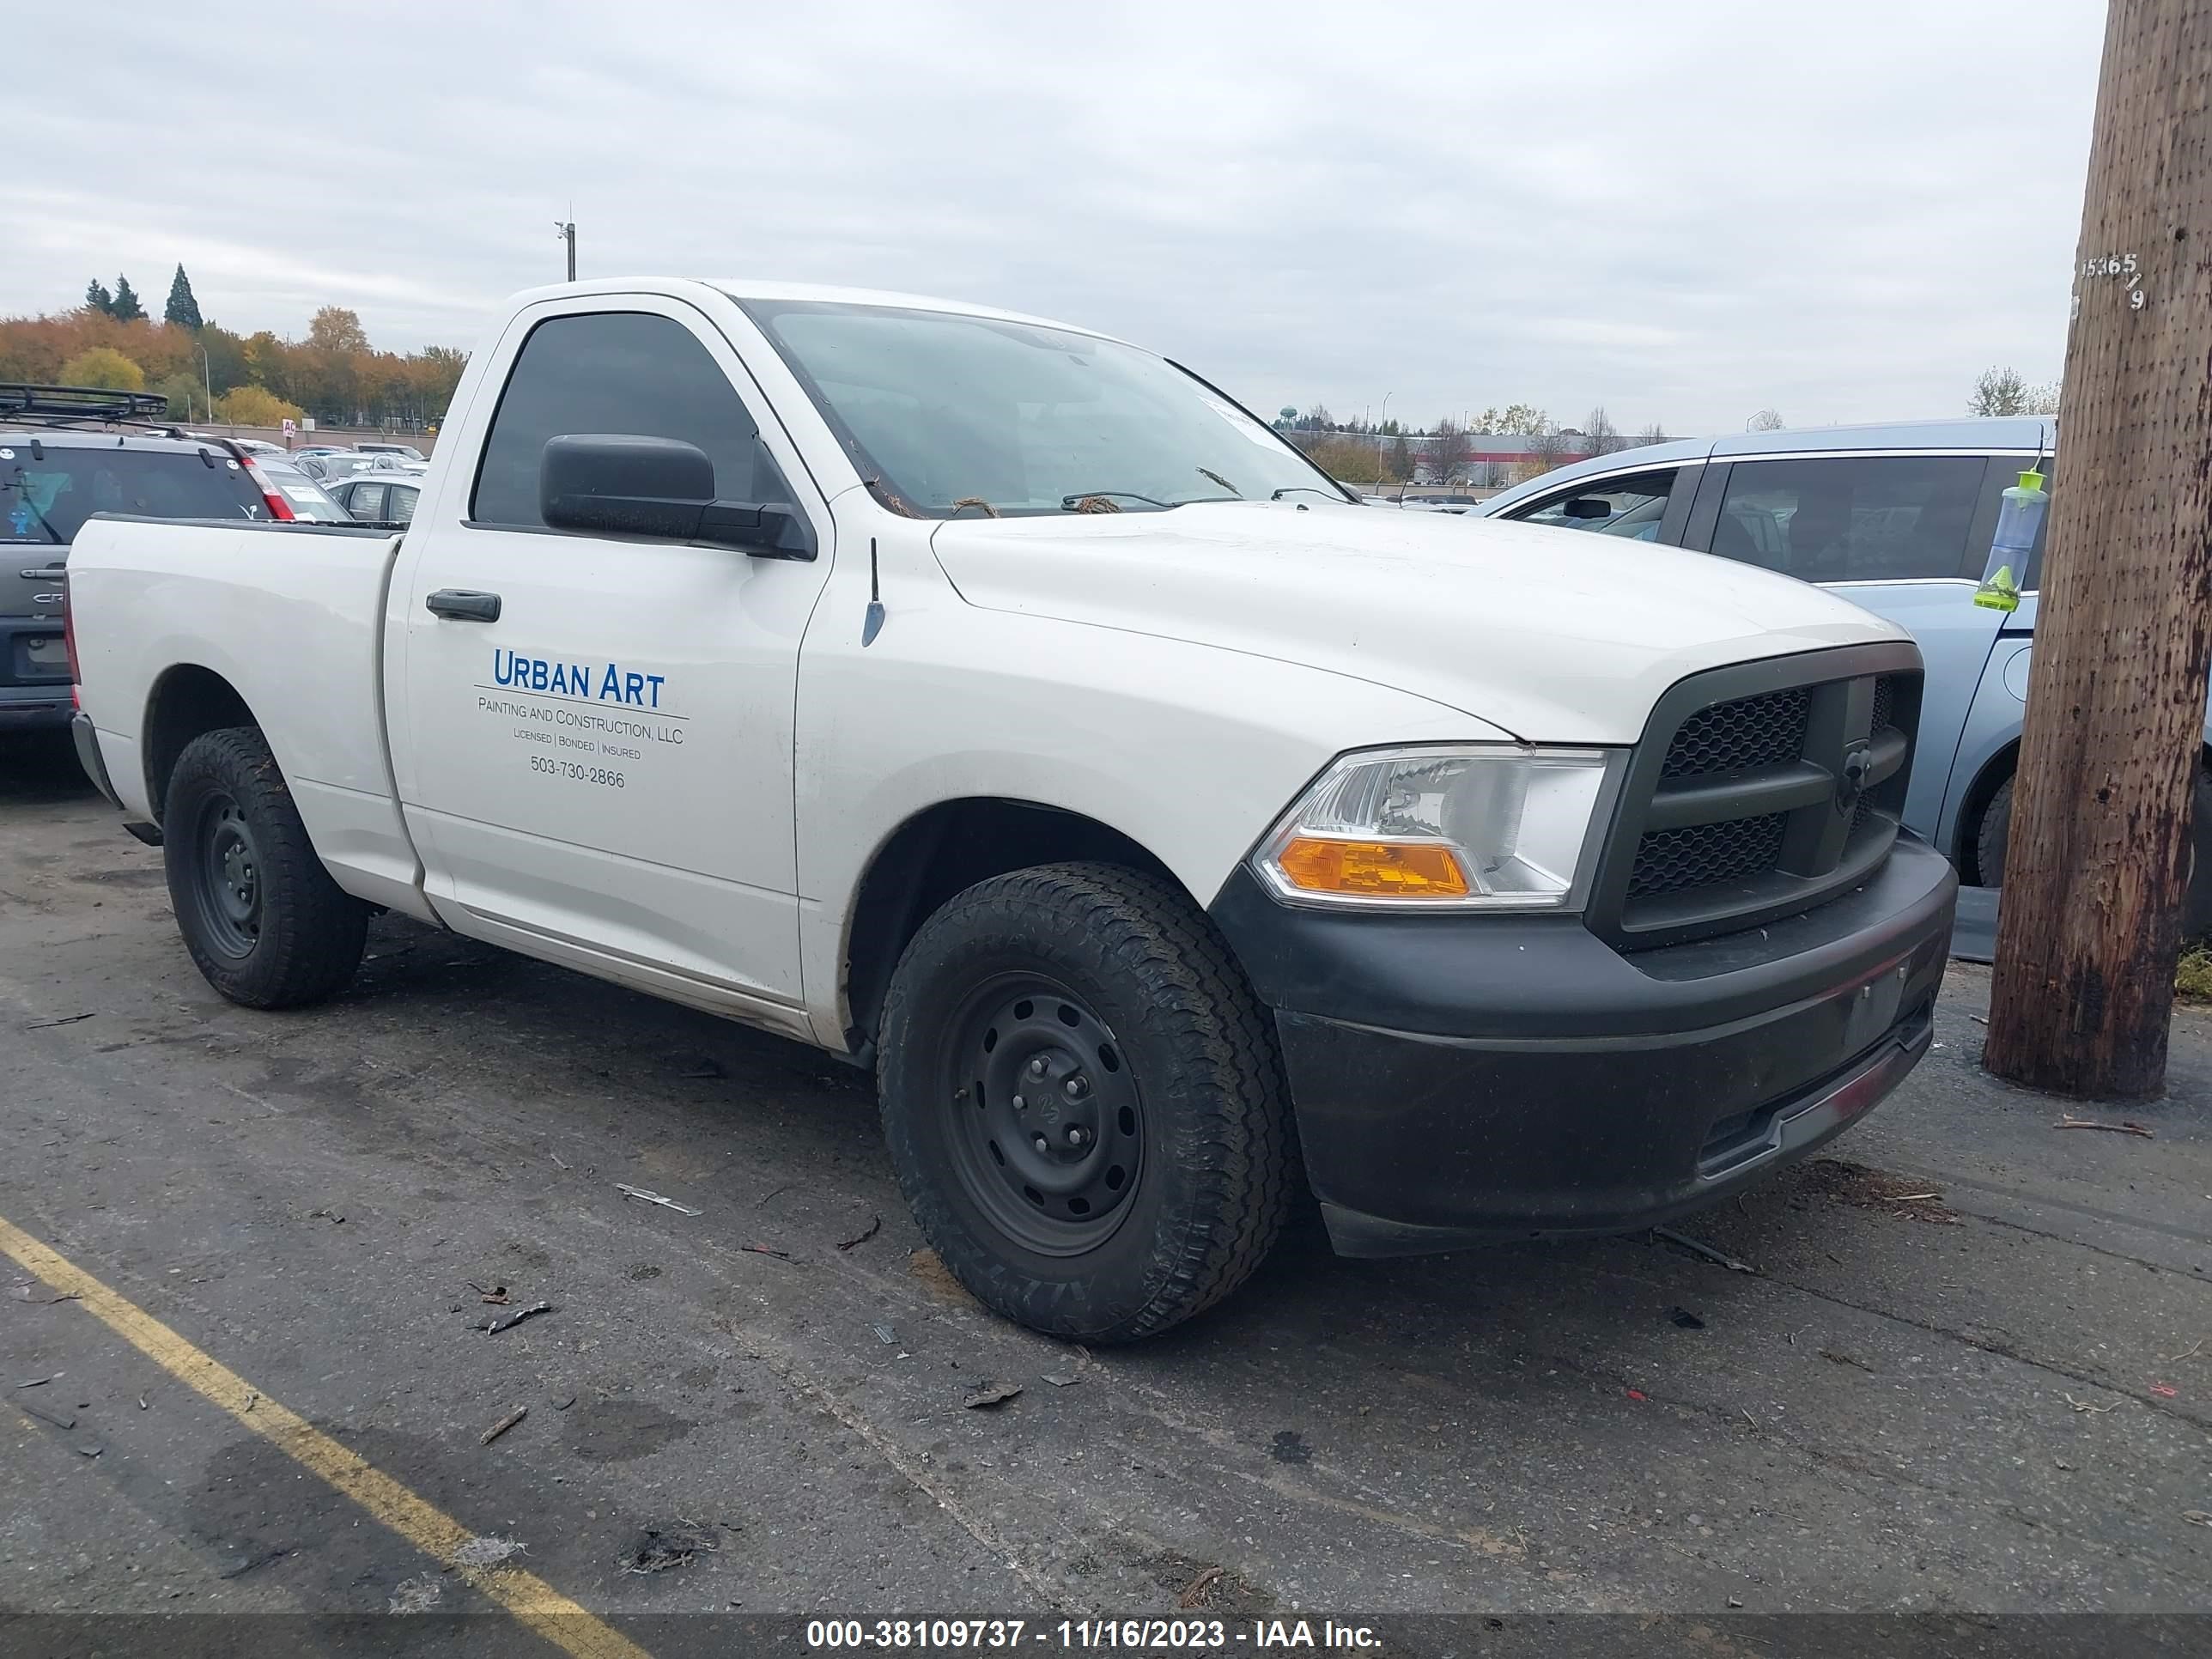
(945, 414)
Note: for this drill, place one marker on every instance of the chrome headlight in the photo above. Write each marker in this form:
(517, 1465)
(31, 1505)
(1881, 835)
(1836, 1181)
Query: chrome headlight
(1474, 829)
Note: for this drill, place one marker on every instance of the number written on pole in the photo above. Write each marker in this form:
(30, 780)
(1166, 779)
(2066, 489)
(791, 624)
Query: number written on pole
(2122, 268)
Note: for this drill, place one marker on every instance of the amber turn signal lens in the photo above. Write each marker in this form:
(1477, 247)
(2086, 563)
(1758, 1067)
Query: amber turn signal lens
(1381, 869)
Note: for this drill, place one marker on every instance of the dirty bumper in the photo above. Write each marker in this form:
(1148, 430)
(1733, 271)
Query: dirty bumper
(1460, 1079)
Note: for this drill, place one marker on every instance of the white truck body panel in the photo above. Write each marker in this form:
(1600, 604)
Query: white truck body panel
(1552, 648)
(291, 622)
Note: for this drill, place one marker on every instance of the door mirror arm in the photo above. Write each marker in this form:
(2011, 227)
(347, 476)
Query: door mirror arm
(765, 530)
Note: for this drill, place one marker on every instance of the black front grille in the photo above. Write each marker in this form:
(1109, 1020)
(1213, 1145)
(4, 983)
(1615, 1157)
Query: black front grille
(1760, 791)
(1705, 854)
(1768, 730)
(1884, 702)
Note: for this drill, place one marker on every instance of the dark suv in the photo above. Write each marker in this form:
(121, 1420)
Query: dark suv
(67, 452)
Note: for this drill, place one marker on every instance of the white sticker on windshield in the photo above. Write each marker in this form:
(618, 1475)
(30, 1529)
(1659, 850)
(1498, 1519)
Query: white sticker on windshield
(1244, 424)
(7, 454)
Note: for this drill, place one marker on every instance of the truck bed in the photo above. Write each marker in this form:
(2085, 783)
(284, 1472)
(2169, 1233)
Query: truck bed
(291, 616)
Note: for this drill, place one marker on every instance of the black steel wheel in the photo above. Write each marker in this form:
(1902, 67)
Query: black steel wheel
(1083, 1100)
(260, 914)
(227, 892)
(1046, 1125)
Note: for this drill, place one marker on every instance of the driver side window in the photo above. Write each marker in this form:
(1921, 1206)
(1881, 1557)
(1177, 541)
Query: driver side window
(1630, 507)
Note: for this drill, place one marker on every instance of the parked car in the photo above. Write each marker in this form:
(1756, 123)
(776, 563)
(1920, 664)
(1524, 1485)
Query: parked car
(329, 469)
(307, 498)
(67, 452)
(405, 451)
(378, 497)
(1896, 517)
(998, 707)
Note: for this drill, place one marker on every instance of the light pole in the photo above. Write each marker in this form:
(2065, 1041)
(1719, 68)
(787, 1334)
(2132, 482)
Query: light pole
(1379, 425)
(566, 230)
(207, 379)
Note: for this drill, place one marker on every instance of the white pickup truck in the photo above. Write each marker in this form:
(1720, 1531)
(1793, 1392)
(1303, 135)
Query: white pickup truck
(1001, 706)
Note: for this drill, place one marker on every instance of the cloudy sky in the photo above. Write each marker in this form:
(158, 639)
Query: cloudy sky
(1684, 211)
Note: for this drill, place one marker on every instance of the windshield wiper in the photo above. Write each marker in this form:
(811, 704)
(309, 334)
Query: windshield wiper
(1311, 490)
(1083, 500)
(1208, 472)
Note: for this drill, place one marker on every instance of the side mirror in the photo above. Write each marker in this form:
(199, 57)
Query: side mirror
(618, 484)
(624, 486)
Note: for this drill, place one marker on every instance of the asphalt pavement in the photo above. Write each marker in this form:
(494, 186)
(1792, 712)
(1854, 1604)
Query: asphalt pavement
(1965, 1369)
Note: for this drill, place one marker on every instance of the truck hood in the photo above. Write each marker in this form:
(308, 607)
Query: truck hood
(1555, 635)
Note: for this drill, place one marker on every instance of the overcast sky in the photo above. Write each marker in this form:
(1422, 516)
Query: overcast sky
(1684, 211)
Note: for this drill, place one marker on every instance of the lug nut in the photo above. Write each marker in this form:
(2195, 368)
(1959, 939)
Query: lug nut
(1077, 1086)
(1042, 1145)
(1036, 1066)
(1077, 1135)
(1020, 1105)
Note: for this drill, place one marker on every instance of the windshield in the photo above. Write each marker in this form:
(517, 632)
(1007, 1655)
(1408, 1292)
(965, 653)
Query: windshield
(46, 498)
(945, 413)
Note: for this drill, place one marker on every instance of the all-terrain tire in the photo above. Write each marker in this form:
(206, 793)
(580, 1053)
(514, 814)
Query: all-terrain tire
(260, 914)
(1108, 978)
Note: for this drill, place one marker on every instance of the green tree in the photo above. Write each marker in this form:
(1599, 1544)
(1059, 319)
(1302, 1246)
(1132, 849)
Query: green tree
(1401, 459)
(97, 298)
(182, 310)
(126, 308)
(184, 395)
(104, 366)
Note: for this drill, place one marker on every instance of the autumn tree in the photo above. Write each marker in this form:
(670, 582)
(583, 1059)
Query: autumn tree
(256, 405)
(106, 368)
(182, 310)
(1601, 435)
(339, 386)
(336, 328)
(1547, 449)
(126, 307)
(1653, 434)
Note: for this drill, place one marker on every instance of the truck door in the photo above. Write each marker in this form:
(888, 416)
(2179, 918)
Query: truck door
(1893, 532)
(595, 752)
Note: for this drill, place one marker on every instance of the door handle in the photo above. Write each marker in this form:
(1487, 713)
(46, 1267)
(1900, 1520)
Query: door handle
(52, 573)
(463, 604)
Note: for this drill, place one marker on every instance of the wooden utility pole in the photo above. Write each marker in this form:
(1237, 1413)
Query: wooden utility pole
(2098, 856)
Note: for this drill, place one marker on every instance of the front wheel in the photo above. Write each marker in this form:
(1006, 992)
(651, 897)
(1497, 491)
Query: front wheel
(1084, 1101)
(260, 916)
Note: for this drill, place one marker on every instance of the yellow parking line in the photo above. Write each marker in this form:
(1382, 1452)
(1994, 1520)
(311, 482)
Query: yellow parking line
(437, 1535)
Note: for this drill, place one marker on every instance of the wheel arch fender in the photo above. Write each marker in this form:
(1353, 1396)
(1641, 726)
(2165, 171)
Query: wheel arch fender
(186, 701)
(942, 849)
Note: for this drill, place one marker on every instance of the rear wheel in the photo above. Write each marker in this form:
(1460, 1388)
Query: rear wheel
(1084, 1103)
(1994, 835)
(262, 918)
